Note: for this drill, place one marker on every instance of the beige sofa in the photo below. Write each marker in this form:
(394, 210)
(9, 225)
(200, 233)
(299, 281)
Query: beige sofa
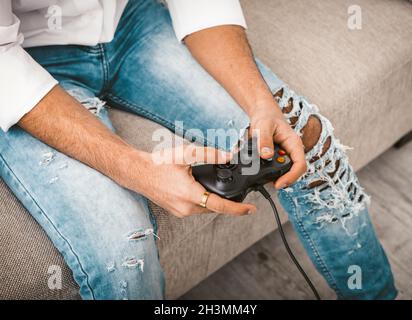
(360, 79)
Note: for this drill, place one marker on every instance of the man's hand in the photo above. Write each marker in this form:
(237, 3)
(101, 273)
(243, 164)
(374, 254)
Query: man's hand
(63, 123)
(172, 186)
(225, 53)
(270, 126)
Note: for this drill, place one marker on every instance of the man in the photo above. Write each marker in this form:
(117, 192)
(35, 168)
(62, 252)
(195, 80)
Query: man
(88, 188)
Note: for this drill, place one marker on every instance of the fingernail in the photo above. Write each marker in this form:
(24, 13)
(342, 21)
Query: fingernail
(267, 151)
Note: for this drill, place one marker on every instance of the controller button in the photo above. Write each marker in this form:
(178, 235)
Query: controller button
(281, 152)
(280, 159)
(224, 175)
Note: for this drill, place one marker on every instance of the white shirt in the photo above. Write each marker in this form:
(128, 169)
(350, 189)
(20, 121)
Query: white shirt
(30, 23)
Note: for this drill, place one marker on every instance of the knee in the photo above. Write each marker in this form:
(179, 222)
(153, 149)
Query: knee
(312, 130)
(311, 133)
(332, 173)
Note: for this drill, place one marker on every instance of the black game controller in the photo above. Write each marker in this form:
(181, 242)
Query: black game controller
(235, 181)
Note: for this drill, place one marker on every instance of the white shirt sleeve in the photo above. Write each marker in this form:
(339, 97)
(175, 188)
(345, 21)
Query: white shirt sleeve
(189, 16)
(23, 82)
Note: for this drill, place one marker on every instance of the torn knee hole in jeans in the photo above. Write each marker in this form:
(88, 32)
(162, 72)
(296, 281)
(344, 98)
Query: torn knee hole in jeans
(310, 132)
(93, 104)
(133, 263)
(141, 234)
(330, 178)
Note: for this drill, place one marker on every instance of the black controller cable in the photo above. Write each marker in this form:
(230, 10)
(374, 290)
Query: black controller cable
(266, 194)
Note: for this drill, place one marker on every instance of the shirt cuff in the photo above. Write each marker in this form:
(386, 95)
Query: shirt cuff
(189, 16)
(23, 83)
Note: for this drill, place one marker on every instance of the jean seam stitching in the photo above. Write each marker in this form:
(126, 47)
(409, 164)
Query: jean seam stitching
(11, 173)
(313, 247)
(105, 67)
(153, 116)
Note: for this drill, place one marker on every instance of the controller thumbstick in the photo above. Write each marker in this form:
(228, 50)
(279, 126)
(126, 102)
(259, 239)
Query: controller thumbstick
(224, 175)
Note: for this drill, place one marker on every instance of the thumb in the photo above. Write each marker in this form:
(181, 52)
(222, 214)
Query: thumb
(265, 140)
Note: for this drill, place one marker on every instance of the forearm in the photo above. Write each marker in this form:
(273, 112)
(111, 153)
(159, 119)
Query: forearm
(225, 53)
(61, 122)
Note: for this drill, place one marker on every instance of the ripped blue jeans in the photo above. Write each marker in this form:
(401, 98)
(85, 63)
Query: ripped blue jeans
(107, 234)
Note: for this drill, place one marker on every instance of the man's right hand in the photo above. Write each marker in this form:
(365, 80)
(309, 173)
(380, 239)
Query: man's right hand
(171, 185)
(63, 123)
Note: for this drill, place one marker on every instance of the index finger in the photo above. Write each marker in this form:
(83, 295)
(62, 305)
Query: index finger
(221, 205)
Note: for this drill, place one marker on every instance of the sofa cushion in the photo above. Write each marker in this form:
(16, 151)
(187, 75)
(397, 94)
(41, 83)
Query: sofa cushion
(360, 79)
(27, 256)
